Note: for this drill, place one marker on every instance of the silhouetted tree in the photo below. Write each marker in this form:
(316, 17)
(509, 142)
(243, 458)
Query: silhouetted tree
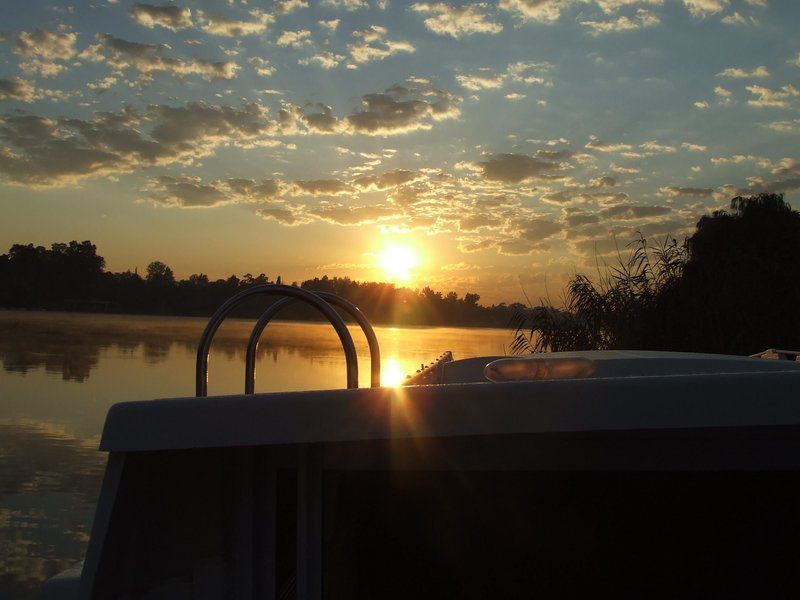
(732, 288)
(159, 274)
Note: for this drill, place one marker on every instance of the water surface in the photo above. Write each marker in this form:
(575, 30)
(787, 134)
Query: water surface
(59, 374)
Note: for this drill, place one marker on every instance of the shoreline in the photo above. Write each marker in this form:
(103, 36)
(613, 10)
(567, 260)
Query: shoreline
(6, 312)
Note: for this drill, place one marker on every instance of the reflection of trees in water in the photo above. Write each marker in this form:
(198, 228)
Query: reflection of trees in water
(70, 345)
(49, 483)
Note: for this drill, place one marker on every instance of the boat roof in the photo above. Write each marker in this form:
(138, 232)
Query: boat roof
(628, 391)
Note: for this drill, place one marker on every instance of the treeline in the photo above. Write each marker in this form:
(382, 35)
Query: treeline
(72, 277)
(733, 287)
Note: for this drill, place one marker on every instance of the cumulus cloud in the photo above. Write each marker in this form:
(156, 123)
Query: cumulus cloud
(372, 45)
(481, 81)
(148, 59)
(326, 60)
(631, 212)
(525, 72)
(44, 49)
(345, 4)
(546, 11)
(330, 25)
(694, 147)
(785, 126)
(295, 39)
(401, 110)
(518, 168)
(191, 192)
(169, 17)
(286, 6)
(17, 89)
(739, 73)
(583, 195)
(641, 20)
(691, 192)
(262, 66)
(766, 97)
(595, 144)
(457, 21)
(653, 147)
(288, 214)
(737, 18)
(321, 187)
(385, 181)
(705, 8)
(38, 151)
(226, 27)
(340, 214)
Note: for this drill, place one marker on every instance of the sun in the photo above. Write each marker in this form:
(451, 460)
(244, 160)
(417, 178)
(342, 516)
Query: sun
(397, 263)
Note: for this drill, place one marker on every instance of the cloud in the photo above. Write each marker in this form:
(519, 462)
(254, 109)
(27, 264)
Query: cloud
(326, 60)
(288, 214)
(39, 151)
(544, 11)
(286, 6)
(518, 168)
(340, 214)
(385, 181)
(330, 25)
(583, 195)
(630, 212)
(527, 72)
(169, 17)
(148, 59)
(515, 96)
(604, 181)
(642, 19)
(372, 46)
(295, 39)
(772, 98)
(739, 73)
(345, 4)
(401, 110)
(481, 82)
(191, 192)
(785, 126)
(457, 21)
(653, 147)
(595, 144)
(701, 104)
(738, 19)
(43, 49)
(321, 187)
(226, 27)
(692, 192)
(694, 147)
(261, 66)
(17, 89)
(705, 8)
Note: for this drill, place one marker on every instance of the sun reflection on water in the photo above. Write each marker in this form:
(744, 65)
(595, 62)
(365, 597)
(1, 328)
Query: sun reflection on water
(392, 373)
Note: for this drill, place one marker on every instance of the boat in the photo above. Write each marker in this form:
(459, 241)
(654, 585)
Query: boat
(637, 474)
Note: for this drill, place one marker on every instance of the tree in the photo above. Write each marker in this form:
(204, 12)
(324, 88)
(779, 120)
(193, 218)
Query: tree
(159, 274)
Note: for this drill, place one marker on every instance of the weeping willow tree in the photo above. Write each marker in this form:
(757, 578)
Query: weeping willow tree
(609, 311)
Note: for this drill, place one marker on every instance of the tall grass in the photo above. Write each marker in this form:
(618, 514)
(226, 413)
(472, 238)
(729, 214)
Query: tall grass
(616, 310)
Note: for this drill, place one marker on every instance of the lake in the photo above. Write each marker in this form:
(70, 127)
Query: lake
(60, 373)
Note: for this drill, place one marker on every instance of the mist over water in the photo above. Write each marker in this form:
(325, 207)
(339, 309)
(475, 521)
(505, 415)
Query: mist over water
(60, 373)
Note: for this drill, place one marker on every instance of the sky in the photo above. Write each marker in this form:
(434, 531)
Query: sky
(496, 147)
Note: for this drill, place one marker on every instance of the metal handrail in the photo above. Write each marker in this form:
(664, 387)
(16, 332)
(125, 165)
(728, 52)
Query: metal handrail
(349, 307)
(201, 370)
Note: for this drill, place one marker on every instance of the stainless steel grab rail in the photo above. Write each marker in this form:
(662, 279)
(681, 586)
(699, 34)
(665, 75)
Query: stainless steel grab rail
(201, 370)
(269, 314)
